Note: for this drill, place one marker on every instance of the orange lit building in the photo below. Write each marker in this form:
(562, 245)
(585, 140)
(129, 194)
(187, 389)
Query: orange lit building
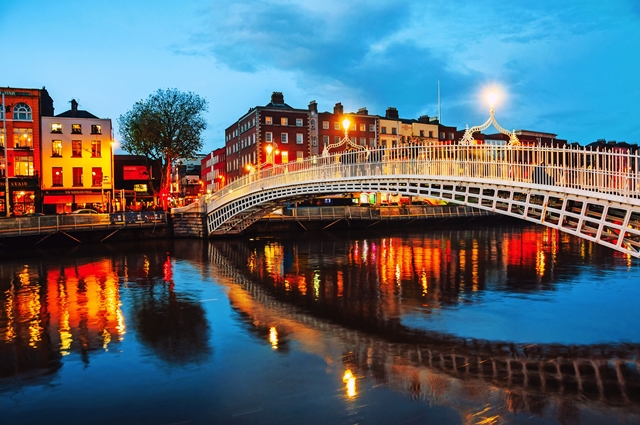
(21, 128)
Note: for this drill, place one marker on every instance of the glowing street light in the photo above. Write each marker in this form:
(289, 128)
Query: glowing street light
(346, 124)
(492, 97)
(467, 139)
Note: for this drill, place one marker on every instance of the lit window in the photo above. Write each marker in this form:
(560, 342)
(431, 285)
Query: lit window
(56, 148)
(284, 138)
(96, 150)
(76, 129)
(336, 126)
(22, 112)
(325, 125)
(284, 121)
(96, 176)
(76, 148)
(268, 120)
(77, 176)
(268, 137)
(2, 137)
(96, 129)
(23, 138)
(56, 128)
(298, 122)
(299, 156)
(56, 176)
(363, 127)
(284, 156)
(23, 165)
(299, 138)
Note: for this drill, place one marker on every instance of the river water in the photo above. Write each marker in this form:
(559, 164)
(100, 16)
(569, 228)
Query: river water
(486, 324)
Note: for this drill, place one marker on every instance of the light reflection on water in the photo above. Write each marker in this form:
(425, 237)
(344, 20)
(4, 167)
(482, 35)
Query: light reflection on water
(476, 325)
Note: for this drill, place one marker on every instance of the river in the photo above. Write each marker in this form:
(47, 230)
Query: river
(459, 324)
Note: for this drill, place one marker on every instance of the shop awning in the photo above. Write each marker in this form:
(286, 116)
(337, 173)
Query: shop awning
(89, 199)
(58, 199)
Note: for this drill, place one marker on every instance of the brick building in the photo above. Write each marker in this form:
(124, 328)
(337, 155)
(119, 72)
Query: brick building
(213, 170)
(20, 139)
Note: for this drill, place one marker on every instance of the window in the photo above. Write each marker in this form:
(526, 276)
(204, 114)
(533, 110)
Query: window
(77, 176)
(268, 137)
(299, 156)
(325, 125)
(299, 138)
(2, 137)
(22, 112)
(76, 148)
(76, 128)
(96, 129)
(363, 127)
(451, 136)
(96, 151)
(1, 111)
(393, 130)
(56, 128)
(363, 141)
(325, 140)
(336, 125)
(23, 138)
(442, 134)
(284, 156)
(96, 176)
(431, 134)
(56, 148)
(383, 130)
(23, 165)
(284, 121)
(336, 139)
(313, 124)
(372, 142)
(315, 141)
(284, 138)
(421, 133)
(268, 120)
(56, 176)
(372, 127)
(298, 122)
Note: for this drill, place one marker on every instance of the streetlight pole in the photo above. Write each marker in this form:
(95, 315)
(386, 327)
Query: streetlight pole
(6, 158)
(113, 178)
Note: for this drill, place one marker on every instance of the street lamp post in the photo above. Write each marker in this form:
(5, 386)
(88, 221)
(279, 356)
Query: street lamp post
(113, 178)
(346, 123)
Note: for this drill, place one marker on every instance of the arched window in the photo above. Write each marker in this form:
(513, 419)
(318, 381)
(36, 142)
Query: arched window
(1, 111)
(22, 112)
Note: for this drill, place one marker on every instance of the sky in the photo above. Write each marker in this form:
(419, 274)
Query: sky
(568, 67)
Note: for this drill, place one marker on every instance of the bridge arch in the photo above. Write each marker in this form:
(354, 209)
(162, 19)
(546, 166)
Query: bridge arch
(591, 194)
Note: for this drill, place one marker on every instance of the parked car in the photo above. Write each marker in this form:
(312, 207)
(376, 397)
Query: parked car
(84, 211)
(33, 215)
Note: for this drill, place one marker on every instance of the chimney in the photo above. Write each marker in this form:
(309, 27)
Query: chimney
(277, 98)
(424, 119)
(74, 107)
(362, 111)
(392, 113)
(338, 109)
(313, 107)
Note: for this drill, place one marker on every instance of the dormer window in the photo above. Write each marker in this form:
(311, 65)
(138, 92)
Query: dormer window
(96, 129)
(22, 112)
(56, 128)
(76, 129)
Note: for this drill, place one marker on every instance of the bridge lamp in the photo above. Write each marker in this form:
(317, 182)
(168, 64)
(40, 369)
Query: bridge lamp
(492, 97)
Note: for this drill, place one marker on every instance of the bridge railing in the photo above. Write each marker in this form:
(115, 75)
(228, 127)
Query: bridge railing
(602, 171)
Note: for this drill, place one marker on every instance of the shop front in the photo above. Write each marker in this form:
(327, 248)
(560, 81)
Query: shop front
(24, 196)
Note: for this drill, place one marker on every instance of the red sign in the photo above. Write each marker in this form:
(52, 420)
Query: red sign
(135, 172)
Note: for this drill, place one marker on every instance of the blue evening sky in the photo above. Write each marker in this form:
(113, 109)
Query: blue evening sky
(568, 67)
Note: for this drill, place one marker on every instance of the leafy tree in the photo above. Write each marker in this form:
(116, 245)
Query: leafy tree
(164, 127)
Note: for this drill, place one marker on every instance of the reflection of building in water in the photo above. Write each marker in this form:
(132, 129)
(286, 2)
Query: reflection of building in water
(56, 311)
(488, 382)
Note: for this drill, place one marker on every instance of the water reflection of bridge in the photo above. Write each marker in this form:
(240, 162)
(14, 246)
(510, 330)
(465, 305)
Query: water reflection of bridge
(440, 367)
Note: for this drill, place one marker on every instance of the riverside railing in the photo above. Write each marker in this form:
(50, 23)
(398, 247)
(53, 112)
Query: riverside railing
(608, 171)
(22, 226)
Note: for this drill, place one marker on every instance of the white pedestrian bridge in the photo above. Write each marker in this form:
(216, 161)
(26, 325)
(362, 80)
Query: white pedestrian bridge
(593, 194)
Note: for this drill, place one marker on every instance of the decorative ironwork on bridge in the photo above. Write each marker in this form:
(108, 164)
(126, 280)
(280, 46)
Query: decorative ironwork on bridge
(467, 139)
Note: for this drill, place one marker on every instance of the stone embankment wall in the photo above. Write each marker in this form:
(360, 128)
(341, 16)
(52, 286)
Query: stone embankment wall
(189, 225)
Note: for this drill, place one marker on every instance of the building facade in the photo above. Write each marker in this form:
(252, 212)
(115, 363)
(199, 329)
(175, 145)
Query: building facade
(272, 134)
(77, 162)
(20, 137)
(212, 170)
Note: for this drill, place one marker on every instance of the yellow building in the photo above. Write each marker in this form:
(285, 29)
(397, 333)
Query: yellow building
(77, 162)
